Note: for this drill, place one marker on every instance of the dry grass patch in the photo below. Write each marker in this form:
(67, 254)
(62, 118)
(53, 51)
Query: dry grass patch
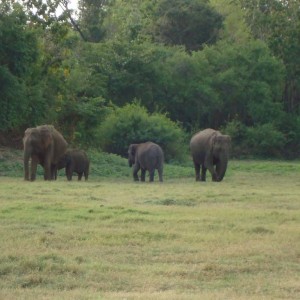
(115, 239)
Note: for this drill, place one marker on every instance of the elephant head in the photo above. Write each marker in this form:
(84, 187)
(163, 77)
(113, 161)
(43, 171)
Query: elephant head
(131, 154)
(220, 152)
(44, 145)
(210, 151)
(37, 140)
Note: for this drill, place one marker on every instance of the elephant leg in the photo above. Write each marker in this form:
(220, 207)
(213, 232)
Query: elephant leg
(86, 175)
(53, 172)
(197, 170)
(209, 164)
(143, 175)
(203, 173)
(26, 176)
(26, 167)
(69, 173)
(151, 174)
(136, 168)
(214, 175)
(80, 176)
(47, 171)
(34, 162)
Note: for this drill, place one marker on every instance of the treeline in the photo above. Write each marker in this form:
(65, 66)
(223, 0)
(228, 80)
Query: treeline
(118, 72)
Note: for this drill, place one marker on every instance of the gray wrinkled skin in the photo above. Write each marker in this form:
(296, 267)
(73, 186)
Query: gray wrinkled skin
(210, 150)
(146, 157)
(43, 145)
(74, 161)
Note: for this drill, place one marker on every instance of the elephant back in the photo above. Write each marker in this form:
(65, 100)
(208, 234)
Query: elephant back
(201, 143)
(150, 155)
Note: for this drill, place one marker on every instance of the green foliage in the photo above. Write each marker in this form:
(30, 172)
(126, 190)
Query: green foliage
(108, 165)
(189, 96)
(235, 29)
(188, 23)
(91, 17)
(249, 81)
(132, 124)
(238, 132)
(18, 56)
(240, 70)
(265, 140)
(277, 23)
(191, 23)
(11, 90)
(130, 20)
(259, 141)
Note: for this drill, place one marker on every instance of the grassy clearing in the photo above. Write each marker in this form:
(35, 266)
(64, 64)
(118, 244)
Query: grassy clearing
(111, 238)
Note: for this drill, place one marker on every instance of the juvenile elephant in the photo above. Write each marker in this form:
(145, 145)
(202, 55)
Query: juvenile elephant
(74, 161)
(44, 145)
(147, 157)
(210, 150)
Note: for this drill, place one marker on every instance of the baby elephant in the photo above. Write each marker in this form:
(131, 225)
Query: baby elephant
(147, 157)
(75, 161)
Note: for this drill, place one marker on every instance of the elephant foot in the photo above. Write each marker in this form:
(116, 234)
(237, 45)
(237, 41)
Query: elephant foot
(200, 179)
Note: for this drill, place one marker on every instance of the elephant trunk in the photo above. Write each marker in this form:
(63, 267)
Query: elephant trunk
(130, 162)
(221, 168)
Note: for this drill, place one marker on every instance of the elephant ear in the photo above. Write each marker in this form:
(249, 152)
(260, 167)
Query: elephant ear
(213, 140)
(27, 133)
(132, 149)
(228, 139)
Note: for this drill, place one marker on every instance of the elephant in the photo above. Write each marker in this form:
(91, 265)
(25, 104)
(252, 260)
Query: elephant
(44, 145)
(210, 150)
(147, 157)
(74, 161)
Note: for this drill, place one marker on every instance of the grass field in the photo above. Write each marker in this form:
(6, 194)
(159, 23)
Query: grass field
(111, 238)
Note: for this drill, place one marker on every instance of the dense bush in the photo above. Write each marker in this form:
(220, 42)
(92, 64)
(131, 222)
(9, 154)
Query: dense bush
(133, 124)
(260, 141)
(265, 140)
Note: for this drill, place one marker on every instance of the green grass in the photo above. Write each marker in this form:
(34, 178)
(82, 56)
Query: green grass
(111, 238)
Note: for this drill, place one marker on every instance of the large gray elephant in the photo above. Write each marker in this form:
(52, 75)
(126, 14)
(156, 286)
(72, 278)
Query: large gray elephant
(147, 157)
(44, 145)
(210, 150)
(74, 160)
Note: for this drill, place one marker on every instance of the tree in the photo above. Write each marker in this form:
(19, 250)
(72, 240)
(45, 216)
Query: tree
(235, 28)
(91, 18)
(18, 56)
(46, 13)
(191, 23)
(134, 124)
(249, 81)
(278, 24)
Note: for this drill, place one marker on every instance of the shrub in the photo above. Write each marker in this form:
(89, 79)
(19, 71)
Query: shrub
(133, 124)
(265, 140)
(237, 131)
(261, 140)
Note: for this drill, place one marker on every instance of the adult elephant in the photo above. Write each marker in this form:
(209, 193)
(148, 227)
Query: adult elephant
(147, 157)
(210, 150)
(74, 160)
(44, 145)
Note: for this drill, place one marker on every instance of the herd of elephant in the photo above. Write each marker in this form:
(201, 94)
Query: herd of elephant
(46, 146)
